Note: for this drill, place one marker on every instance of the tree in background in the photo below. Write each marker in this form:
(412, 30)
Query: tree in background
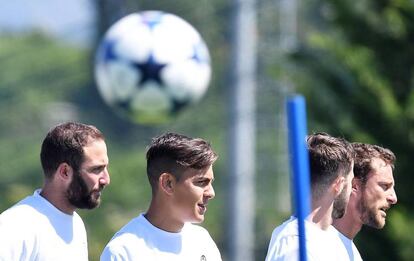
(38, 81)
(355, 66)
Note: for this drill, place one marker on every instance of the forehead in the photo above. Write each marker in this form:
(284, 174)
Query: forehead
(199, 173)
(381, 171)
(95, 151)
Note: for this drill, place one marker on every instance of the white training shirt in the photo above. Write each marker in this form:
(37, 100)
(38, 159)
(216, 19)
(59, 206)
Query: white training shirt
(348, 244)
(321, 245)
(140, 240)
(35, 230)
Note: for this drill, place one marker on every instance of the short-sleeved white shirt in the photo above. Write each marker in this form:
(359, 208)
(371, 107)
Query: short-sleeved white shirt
(35, 230)
(140, 240)
(348, 244)
(321, 245)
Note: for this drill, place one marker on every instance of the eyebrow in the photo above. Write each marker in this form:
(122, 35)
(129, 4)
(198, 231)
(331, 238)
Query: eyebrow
(99, 166)
(387, 183)
(204, 178)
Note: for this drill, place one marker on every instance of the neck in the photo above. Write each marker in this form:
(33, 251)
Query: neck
(321, 213)
(57, 198)
(349, 225)
(160, 216)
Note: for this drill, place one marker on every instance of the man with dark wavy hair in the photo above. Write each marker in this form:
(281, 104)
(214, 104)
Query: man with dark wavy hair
(180, 172)
(372, 194)
(331, 162)
(45, 226)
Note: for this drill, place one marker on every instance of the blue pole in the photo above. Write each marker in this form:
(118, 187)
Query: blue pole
(299, 162)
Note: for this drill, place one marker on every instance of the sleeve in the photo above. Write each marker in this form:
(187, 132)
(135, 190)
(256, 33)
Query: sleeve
(287, 249)
(16, 243)
(113, 254)
(213, 251)
(283, 249)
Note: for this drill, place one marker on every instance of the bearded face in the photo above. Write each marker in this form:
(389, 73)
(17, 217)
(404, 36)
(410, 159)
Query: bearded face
(370, 214)
(340, 203)
(80, 196)
(377, 195)
(87, 183)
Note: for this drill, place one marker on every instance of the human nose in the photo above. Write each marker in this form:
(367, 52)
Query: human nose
(392, 197)
(210, 193)
(105, 179)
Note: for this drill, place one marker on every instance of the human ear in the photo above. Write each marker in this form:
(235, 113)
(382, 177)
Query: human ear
(167, 182)
(356, 184)
(338, 185)
(64, 171)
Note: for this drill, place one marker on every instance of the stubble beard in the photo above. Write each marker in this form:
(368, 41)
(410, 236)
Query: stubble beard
(369, 215)
(340, 204)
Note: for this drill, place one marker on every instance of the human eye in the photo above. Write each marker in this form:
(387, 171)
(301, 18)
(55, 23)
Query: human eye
(385, 186)
(97, 170)
(202, 182)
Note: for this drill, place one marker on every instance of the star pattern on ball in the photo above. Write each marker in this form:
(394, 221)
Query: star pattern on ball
(199, 54)
(109, 53)
(150, 70)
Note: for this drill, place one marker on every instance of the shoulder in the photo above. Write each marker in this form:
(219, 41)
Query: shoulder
(197, 232)
(18, 214)
(78, 225)
(18, 235)
(133, 233)
(289, 228)
(78, 220)
(284, 243)
(199, 238)
(344, 245)
(135, 226)
(116, 249)
(126, 245)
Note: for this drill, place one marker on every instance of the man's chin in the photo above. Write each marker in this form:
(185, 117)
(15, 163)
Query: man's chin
(377, 222)
(94, 203)
(380, 223)
(198, 219)
(87, 203)
(95, 199)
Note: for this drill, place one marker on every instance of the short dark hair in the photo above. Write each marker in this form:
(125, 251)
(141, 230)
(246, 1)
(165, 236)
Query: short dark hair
(329, 158)
(364, 153)
(64, 143)
(174, 153)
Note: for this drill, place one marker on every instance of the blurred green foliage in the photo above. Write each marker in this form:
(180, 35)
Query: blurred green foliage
(355, 66)
(43, 82)
(29, 88)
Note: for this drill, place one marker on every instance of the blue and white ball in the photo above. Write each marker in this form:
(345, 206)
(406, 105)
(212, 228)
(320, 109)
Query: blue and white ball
(150, 65)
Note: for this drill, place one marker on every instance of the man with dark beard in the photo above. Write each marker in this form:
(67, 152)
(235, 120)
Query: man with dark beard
(372, 194)
(45, 226)
(331, 164)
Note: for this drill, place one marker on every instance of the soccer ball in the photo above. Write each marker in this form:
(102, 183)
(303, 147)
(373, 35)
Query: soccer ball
(150, 65)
